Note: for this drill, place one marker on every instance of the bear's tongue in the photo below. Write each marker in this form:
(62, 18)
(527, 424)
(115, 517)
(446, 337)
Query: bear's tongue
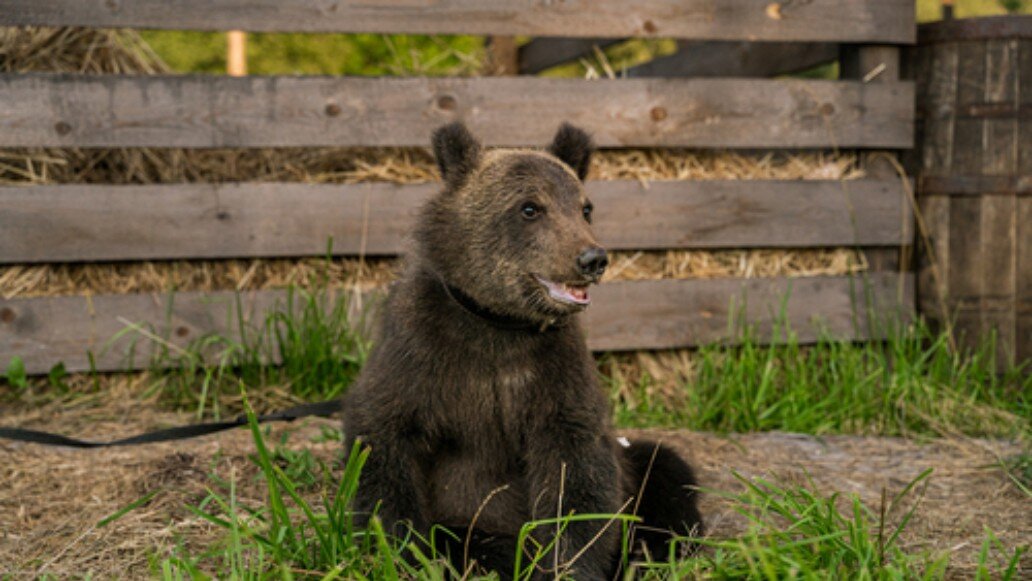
(566, 293)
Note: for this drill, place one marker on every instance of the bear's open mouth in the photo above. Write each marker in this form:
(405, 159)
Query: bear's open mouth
(568, 293)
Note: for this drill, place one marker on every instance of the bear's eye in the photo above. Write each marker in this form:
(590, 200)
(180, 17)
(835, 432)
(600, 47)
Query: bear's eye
(587, 212)
(530, 210)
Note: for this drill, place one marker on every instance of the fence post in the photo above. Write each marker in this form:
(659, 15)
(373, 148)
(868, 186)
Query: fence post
(876, 64)
(236, 57)
(502, 56)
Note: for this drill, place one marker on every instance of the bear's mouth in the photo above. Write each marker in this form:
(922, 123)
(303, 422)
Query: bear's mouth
(566, 292)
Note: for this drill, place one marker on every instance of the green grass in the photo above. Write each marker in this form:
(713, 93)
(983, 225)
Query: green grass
(794, 532)
(322, 54)
(294, 534)
(315, 343)
(911, 384)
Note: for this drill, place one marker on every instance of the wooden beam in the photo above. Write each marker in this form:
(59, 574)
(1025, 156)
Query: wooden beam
(502, 56)
(47, 110)
(65, 223)
(879, 65)
(870, 64)
(544, 53)
(624, 316)
(888, 21)
(669, 314)
(738, 59)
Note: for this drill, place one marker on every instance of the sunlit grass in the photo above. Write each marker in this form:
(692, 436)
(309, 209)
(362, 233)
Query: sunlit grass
(910, 384)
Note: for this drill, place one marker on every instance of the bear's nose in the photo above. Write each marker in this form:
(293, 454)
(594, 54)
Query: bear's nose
(593, 261)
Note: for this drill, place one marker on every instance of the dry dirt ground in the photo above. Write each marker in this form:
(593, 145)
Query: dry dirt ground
(52, 499)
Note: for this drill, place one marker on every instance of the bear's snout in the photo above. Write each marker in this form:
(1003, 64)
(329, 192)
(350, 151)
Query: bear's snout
(593, 262)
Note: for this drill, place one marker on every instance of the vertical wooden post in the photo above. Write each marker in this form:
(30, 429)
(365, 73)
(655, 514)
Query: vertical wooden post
(876, 64)
(236, 57)
(502, 56)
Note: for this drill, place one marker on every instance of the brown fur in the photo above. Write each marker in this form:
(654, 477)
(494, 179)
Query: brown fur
(480, 385)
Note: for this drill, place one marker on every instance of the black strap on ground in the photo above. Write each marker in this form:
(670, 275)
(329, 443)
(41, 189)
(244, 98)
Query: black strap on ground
(322, 409)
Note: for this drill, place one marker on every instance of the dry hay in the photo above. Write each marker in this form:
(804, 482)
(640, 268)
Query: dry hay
(53, 498)
(258, 274)
(394, 165)
(37, 49)
(209, 275)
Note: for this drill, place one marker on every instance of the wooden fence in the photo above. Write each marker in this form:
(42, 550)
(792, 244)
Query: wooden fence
(868, 108)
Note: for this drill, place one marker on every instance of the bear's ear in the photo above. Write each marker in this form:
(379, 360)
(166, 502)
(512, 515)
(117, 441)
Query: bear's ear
(573, 146)
(457, 152)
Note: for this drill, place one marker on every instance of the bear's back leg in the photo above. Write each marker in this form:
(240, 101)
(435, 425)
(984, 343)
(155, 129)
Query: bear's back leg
(476, 549)
(668, 504)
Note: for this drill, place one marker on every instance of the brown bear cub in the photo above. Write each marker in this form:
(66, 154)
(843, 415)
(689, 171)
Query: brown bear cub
(480, 401)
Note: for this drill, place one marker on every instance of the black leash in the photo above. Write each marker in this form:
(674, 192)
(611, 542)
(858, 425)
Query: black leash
(321, 409)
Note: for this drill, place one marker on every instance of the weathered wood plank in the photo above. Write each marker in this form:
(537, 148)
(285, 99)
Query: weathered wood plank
(625, 315)
(933, 270)
(830, 20)
(101, 222)
(1025, 72)
(939, 108)
(670, 314)
(1023, 280)
(1001, 66)
(878, 64)
(502, 56)
(977, 185)
(737, 59)
(965, 251)
(1023, 219)
(968, 29)
(205, 111)
(971, 76)
(999, 235)
(967, 146)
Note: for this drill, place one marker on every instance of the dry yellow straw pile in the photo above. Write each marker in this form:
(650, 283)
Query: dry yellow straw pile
(105, 51)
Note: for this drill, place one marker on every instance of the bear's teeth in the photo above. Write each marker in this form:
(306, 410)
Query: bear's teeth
(566, 293)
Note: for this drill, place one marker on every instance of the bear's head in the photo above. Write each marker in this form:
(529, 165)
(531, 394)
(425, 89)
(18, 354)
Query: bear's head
(511, 229)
